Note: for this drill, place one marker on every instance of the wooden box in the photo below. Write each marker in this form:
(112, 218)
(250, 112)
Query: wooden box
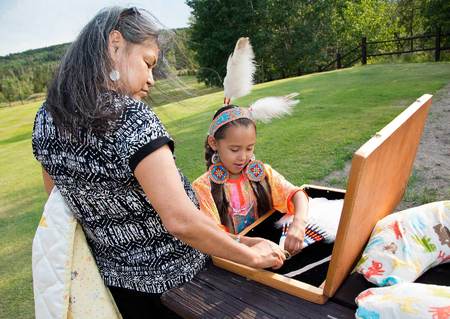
(378, 177)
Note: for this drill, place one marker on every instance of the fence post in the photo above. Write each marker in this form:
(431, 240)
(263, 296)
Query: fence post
(338, 61)
(437, 52)
(363, 50)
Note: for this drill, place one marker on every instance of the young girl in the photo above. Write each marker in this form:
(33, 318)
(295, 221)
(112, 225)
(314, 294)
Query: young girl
(237, 189)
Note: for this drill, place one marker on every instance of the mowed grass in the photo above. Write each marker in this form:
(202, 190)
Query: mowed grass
(338, 112)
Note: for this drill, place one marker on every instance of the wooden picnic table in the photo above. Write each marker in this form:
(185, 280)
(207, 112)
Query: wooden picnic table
(217, 293)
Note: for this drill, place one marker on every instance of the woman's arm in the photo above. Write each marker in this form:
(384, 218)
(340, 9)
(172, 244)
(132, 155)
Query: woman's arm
(48, 182)
(296, 231)
(159, 177)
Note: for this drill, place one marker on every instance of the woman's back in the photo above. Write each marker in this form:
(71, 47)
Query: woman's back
(94, 173)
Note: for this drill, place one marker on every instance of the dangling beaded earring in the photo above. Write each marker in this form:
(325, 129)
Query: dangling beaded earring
(114, 75)
(255, 170)
(217, 172)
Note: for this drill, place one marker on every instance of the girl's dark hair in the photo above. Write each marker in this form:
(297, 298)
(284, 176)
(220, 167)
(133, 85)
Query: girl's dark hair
(261, 190)
(76, 96)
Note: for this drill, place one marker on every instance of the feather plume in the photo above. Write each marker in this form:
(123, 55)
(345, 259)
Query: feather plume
(271, 107)
(240, 70)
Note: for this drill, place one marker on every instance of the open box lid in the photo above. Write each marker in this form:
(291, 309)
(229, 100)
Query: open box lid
(378, 177)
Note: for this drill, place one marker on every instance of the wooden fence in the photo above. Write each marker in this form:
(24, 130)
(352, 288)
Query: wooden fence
(397, 46)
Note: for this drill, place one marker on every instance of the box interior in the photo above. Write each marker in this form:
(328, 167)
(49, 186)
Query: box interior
(313, 253)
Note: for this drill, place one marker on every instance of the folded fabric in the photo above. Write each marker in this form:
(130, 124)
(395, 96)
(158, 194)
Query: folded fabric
(66, 281)
(323, 218)
(404, 245)
(407, 300)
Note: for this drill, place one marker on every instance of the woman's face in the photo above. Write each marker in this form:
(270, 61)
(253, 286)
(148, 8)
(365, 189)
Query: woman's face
(135, 63)
(137, 69)
(236, 148)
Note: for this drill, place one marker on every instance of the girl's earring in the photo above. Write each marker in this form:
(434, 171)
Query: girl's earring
(218, 173)
(114, 75)
(215, 158)
(255, 170)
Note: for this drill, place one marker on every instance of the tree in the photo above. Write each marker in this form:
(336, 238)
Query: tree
(215, 27)
(10, 88)
(289, 37)
(437, 15)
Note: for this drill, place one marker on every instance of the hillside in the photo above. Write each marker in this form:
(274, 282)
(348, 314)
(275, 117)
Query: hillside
(27, 73)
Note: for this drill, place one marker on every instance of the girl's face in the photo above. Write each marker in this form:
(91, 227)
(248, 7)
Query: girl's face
(135, 63)
(236, 148)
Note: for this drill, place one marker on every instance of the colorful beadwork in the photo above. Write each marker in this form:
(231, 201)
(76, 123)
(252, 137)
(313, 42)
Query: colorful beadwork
(255, 171)
(227, 116)
(218, 173)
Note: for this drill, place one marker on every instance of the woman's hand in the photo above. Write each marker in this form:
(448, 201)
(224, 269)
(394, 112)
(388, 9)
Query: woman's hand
(269, 254)
(294, 239)
(251, 241)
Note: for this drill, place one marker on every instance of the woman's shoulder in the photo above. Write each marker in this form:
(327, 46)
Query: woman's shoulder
(130, 106)
(136, 116)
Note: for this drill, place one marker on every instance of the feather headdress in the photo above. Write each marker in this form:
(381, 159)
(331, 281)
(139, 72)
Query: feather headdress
(238, 82)
(271, 107)
(240, 70)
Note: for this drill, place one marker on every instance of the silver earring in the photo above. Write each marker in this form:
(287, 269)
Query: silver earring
(253, 157)
(114, 75)
(215, 158)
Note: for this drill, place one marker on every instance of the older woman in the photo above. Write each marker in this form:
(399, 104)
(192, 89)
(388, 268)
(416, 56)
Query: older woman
(112, 160)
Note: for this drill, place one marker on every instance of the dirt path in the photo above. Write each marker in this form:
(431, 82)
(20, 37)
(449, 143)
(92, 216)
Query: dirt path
(430, 180)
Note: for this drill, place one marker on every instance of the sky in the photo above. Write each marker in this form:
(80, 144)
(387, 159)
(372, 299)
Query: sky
(32, 24)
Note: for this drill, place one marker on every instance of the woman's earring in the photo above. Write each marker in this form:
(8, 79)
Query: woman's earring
(114, 75)
(218, 173)
(215, 158)
(255, 170)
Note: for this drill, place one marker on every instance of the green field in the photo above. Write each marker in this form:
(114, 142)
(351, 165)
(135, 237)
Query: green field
(338, 111)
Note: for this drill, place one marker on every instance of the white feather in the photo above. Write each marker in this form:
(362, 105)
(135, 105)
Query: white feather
(271, 107)
(240, 70)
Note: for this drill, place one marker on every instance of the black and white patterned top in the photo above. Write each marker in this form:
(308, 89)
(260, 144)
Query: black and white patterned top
(94, 173)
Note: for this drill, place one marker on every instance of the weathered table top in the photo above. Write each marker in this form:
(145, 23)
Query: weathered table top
(216, 293)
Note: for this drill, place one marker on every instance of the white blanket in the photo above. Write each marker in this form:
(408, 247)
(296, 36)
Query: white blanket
(66, 281)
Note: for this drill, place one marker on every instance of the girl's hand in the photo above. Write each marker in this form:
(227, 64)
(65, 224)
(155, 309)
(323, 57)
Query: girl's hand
(269, 254)
(294, 239)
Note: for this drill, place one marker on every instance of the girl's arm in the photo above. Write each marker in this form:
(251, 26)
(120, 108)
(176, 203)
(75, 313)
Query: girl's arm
(296, 231)
(159, 177)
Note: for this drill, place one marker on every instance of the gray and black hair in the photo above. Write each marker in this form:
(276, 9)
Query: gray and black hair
(78, 94)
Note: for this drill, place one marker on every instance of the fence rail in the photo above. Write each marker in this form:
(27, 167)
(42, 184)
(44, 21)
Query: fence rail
(368, 49)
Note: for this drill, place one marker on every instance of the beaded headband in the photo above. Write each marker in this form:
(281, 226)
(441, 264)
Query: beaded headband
(226, 117)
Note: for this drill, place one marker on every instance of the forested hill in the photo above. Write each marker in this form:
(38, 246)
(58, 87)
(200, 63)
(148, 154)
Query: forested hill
(26, 73)
(48, 54)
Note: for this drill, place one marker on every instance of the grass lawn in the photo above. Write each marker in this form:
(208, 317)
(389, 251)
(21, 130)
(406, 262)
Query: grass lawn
(339, 111)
